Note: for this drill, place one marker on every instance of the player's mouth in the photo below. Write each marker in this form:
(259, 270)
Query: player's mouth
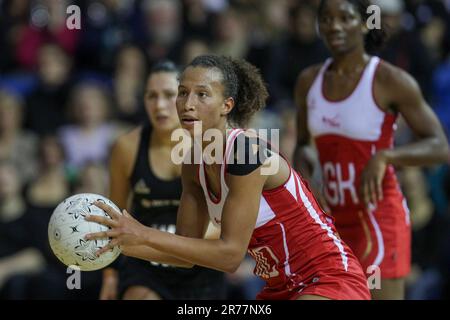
(336, 40)
(188, 121)
(161, 118)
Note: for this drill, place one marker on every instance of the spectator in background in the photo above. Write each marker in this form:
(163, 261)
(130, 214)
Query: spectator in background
(198, 16)
(404, 48)
(193, 47)
(43, 194)
(52, 184)
(266, 22)
(432, 36)
(441, 91)
(230, 35)
(14, 19)
(129, 75)
(106, 25)
(93, 178)
(162, 27)
(52, 91)
(15, 255)
(90, 136)
(48, 24)
(28, 267)
(12, 204)
(299, 49)
(16, 145)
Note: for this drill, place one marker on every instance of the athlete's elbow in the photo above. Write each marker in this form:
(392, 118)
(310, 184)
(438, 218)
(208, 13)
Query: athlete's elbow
(232, 260)
(445, 152)
(442, 151)
(445, 156)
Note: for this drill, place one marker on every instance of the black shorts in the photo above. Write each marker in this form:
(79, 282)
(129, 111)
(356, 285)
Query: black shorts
(172, 283)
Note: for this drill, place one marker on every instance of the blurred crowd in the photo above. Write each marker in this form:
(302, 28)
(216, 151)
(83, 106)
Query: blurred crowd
(65, 95)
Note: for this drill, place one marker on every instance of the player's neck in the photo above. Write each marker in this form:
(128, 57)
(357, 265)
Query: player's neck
(349, 62)
(222, 128)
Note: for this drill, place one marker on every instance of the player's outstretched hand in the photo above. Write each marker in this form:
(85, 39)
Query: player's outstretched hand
(124, 229)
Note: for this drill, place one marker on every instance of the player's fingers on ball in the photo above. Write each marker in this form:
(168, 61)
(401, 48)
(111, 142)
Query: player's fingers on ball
(101, 205)
(126, 214)
(103, 250)
(100, 252)
(110, 246)
(94, 218)
(97, 235)
(108, 209)
(103, 220)
(113, 243)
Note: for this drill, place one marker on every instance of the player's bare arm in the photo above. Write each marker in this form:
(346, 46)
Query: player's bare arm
(396, 91)
(303, 159)
(224, 254)
(122, 158)
(192, 215)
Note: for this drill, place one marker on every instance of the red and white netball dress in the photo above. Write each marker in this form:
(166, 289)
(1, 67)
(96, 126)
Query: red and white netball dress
(295, 246)
(347, 134)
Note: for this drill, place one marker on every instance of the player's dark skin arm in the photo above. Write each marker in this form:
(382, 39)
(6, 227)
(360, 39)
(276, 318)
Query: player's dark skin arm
(304, 158)
(303, 161)
(397, 91)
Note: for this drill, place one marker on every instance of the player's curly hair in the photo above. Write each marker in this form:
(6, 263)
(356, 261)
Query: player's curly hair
(242, 82)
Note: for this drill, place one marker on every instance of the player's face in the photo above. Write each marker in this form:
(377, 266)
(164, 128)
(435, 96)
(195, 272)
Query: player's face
(341, 27)
(160, 96)
(200, 98)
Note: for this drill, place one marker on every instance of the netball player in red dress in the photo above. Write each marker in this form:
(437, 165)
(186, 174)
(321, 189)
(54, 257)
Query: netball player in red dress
(349, 106)
(274, 217)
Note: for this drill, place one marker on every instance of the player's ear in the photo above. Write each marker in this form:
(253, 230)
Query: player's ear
(227, 106)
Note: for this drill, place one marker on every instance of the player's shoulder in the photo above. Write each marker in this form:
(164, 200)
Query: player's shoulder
(306, 77)
(247, 137)
(127, 143)
(129, 137)
(394, 78)
(249, 152)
